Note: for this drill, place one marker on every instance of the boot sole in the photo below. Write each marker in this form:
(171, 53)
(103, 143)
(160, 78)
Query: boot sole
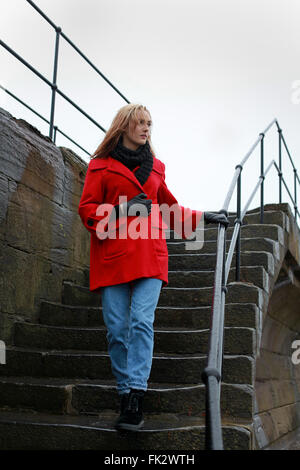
(129, 427)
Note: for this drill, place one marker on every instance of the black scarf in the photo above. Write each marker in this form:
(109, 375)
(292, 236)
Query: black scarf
(132, 158)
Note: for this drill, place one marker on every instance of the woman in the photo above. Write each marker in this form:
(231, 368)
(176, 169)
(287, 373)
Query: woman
(123, 205)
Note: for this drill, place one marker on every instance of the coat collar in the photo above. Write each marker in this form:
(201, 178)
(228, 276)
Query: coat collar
(117, 167)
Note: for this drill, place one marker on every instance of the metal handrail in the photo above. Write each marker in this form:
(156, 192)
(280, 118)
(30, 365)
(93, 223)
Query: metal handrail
(287, 189)
(58, 29)
(212, 374)
(56, 128)
(53, 84)
(237, 224)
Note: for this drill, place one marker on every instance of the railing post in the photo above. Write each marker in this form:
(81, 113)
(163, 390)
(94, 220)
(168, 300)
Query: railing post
(54, 135)
(238, 215)
(262, 177)
(280, 167)
(224, 290)
(54, 84)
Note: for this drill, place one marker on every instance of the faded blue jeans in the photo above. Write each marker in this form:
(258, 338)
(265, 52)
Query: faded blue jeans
(128, 313)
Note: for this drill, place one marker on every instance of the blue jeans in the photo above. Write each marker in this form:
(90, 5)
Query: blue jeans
(130, 330)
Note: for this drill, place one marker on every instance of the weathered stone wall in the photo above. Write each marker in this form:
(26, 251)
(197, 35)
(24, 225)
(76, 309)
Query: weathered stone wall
(42, 239)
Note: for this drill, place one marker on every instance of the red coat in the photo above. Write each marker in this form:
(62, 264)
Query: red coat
(115, 260)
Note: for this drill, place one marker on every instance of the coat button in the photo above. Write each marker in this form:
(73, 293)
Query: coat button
(90, 222)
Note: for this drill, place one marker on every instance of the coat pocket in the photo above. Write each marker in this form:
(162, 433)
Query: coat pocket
(114, 247)
(160, 242)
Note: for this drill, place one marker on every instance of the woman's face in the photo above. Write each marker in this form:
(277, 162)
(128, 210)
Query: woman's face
(136, 135)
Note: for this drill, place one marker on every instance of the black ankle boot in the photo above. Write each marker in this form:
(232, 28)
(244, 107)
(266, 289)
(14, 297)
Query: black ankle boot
(123, 405)
(132, 417)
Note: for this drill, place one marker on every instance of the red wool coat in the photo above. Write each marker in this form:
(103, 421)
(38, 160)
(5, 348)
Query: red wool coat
(116, 257)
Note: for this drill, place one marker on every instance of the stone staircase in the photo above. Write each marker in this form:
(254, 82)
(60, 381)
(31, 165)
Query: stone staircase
(57, 390)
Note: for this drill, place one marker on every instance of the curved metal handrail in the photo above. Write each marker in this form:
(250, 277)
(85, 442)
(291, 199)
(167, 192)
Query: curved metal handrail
(237, 224)
(212, 374)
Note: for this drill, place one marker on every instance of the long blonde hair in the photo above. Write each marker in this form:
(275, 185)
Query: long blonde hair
(127, 115)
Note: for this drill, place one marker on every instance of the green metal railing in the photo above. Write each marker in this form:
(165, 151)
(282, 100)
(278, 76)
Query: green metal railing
(212, 374)
(53, 85)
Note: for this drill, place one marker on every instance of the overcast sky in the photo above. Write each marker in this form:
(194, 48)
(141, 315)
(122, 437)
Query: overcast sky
(213, 73)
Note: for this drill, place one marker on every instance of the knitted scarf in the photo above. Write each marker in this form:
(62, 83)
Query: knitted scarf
(132, 158)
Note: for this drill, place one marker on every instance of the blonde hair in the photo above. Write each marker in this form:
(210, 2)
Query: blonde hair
(126, 116)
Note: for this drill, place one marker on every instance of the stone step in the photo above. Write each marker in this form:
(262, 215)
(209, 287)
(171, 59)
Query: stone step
(28, 431)
(53, 313)
(169, 368)
(185, 296)
(253, 217)
(193, 296)
(272, 231)
(251, 274)
(237, 314)
(236, 400)
(74, 294)
(175, 340)
(93, 396)
(207, 262)
(210, 247)
(270, 217)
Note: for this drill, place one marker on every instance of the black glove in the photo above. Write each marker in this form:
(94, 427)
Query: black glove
(211, 218)
(122, 209)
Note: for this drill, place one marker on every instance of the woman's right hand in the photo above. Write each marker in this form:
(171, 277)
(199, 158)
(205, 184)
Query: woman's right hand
(139, 199)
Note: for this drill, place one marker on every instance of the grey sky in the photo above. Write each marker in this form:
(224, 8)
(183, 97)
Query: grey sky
(213, 74)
